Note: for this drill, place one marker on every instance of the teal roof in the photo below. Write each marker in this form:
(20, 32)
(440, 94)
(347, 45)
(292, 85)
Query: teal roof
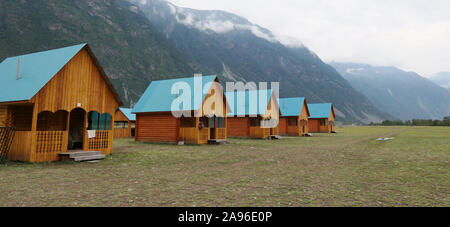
(243, 107)
(290, 107)
(128, 114)
(320, 110)
(36, 71)
(158, 97)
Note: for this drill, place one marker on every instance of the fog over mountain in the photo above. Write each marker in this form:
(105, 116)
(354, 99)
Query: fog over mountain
(442, 79)
(238, 50)
(405, 95)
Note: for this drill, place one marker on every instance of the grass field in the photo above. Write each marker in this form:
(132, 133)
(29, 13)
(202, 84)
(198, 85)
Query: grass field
(350, 168)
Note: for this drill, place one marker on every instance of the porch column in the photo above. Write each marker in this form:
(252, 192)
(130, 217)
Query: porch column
(32, 154)
(85, 136)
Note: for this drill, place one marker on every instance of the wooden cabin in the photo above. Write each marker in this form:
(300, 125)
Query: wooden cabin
(294, 117)
(124, 123)
(322, 118)
(53, 99)
(204, 120)
(251, 113)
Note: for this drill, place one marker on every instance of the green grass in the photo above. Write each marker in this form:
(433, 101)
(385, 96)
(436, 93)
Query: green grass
(350, 168)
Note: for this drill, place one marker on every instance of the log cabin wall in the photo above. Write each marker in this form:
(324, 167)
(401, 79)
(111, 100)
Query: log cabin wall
(157, 128)
(238, 127)
(4, 121)
(283, 126)
(314, 125)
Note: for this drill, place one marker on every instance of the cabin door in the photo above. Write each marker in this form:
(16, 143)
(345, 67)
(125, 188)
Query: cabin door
(212, 127)
(76, 129)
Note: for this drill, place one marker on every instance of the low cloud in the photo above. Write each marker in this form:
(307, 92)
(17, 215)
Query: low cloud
(410, 34)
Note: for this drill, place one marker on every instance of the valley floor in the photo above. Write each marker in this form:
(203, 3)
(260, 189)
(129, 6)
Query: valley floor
(350, 168)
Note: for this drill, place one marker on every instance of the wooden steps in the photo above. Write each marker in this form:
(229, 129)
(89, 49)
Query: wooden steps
(216, 142)
(275, 137)
(80, 156)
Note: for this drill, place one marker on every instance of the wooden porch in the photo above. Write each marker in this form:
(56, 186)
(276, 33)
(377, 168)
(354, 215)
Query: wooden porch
(201, 130)
(41, 137)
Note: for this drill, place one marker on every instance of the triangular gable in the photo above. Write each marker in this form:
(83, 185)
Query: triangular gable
(305, 105)
(37, 69)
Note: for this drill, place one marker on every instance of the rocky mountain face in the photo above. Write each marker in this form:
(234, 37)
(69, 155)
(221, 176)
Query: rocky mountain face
(131, 50)
(238, 50)
(140, 41)
(405, 95)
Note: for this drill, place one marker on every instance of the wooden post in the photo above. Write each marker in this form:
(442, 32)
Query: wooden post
(32, 155)
(129, 129)
(85, 136)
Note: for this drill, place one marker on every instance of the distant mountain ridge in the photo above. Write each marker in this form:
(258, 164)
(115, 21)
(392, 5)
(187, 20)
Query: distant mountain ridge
(238, 50)
(442, 79)
(405, 95)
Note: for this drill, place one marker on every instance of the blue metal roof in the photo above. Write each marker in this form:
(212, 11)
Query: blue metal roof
(158, 97)
(242, 107)
(291, 107)
(320, 110)
(128, 114)
(36, 71)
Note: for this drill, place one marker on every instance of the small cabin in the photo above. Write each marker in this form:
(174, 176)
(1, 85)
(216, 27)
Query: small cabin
(57, 101)
(294, 116)
(322, 118)
(191, 110)
(124, 123)
(254, 114)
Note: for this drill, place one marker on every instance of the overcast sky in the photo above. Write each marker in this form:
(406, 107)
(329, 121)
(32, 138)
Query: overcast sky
(413, 35)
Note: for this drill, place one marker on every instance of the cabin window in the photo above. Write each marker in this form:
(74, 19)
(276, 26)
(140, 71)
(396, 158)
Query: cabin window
(292, 122)
(212, 122)
(133, 125)
(324, 122)
(255, 122)
(120, 124)
(99, 122)
(220, 122)
(187, 122)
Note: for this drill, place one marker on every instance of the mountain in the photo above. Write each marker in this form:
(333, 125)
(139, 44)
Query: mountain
(442, 79)
(131, 50)
(238, 50)
(405, 95)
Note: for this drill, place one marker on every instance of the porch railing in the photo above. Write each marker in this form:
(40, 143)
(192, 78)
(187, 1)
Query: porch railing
(49, 144)
(221, 133)
(204, 135)
(100, 142)
(6, 138)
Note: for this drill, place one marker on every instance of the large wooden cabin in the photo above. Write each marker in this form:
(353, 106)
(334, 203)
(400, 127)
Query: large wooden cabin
(294, 116)
(124, 123)
(53, 98)
(158, 118)
(322, 118)
(251, 112)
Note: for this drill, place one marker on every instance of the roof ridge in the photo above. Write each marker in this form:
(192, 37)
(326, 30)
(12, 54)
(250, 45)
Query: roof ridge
(43, 51)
